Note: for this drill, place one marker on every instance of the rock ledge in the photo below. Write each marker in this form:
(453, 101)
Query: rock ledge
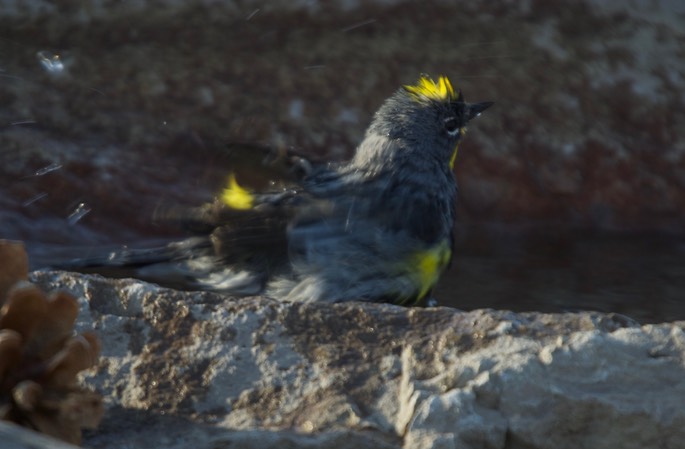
(202, 370)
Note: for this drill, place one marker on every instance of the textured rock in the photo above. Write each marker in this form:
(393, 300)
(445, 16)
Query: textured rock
(15, 437)
(201, 370)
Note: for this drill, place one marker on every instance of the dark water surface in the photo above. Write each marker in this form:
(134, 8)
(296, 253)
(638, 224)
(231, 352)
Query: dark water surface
(552, 270)
(547, 270)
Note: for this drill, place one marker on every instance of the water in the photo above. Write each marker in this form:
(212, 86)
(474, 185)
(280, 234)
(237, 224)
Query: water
(641, 275)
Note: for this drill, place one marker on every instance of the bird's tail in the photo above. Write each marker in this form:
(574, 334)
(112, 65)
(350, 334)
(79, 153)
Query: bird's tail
(190, 264)
(235, 248)
(163, 264)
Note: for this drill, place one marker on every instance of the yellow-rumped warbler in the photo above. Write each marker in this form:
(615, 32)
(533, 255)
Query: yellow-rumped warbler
(375, 228)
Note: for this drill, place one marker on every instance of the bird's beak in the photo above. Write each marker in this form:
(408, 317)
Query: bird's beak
(477, 108)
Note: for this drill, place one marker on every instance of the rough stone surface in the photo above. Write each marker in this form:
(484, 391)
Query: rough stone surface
(202, 370)
(15, 437)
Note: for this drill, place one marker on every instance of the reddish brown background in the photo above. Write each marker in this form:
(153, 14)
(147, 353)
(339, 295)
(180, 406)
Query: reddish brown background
(572, 188)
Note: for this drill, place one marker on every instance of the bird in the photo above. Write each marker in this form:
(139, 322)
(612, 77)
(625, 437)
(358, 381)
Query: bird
(377, 227)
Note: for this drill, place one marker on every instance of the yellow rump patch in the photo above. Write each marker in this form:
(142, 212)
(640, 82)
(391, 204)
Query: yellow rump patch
(429, 265)
(235, 196)
(426, 88)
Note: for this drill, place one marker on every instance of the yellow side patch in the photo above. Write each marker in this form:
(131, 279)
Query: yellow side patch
(426, 88)
(235, 196)
(429, 265)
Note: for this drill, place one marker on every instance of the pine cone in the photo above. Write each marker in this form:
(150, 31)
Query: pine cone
(41, 356)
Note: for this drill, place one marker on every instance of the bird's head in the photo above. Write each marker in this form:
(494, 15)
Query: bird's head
(428, 118)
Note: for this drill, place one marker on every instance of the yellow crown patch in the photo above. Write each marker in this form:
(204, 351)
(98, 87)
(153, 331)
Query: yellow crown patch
(427, 89)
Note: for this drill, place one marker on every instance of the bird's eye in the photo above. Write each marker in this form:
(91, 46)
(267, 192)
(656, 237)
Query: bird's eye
(451, 126)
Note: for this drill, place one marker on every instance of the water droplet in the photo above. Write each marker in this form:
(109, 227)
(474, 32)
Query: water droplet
(358, 25)
(252, 14)
(30, 201)
(23, 122)
(47, 169)
(81, 211)
(50, 62)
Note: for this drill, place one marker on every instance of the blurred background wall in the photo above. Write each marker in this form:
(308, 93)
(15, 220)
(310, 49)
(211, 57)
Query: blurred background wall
(572, 187)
